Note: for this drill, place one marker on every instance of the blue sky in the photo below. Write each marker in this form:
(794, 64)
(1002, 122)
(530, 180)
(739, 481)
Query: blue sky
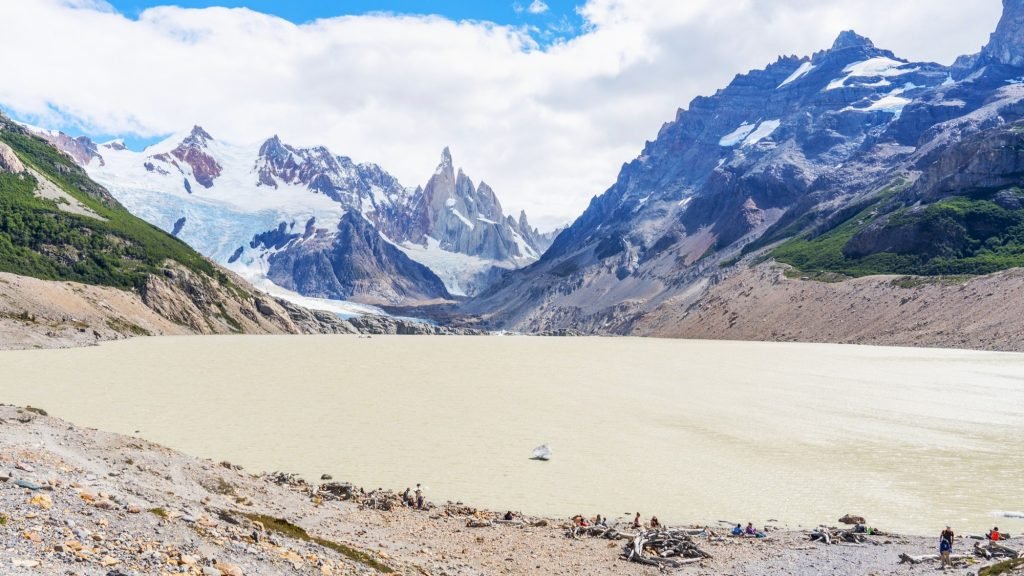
(558, 21)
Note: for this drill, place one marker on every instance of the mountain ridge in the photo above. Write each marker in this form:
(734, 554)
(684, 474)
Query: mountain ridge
(840, 163)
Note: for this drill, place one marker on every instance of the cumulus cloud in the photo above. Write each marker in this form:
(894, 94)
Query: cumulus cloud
(537, 7)
(546, 127)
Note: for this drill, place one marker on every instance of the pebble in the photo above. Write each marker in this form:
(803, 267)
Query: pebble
(24, 466)
(22, 563)
(42, 501)
(228, 569)
(207, 571)
(28, 484)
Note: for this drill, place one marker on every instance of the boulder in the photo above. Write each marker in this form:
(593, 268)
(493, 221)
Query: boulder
(851, 520)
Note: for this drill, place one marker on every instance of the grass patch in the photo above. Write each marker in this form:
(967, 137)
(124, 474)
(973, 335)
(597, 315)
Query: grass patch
(159, 513)
(286, 528)
(1002, 568)
(917, 281)
(125, 327)
(222, 487)
(35, 410)
(232, 322)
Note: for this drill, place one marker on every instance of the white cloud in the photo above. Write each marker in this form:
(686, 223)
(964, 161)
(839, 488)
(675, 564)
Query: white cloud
(547, 128)
(537, 7)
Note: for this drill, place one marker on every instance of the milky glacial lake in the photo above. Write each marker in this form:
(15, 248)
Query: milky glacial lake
(690, 431)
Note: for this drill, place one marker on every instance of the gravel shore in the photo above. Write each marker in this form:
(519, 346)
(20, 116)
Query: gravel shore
(84, 502)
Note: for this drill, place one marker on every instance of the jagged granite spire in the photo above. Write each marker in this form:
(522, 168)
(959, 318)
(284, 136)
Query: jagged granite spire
(1006, 46)
(850, 39)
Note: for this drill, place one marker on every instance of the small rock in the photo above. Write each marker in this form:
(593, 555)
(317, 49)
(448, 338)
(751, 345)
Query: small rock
(326, 477)
(134, 510)
(24, 466)
(4, 476)
(109, 561)
(104, 505)
(228, 569)
(42, 501)
(207, 571)
(28, 484)
(22, 563)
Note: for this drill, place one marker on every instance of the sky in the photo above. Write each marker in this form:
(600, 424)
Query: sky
(542, 99)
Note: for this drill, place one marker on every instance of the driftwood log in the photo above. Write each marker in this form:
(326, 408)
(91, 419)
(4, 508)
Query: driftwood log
(664, 549)
(908, 559)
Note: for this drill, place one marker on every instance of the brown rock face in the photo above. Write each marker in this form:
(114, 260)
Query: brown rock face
(192, 151)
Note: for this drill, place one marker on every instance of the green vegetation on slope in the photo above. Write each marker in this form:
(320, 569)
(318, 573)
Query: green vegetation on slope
(957, 235)
(290, 530)
(39, 240)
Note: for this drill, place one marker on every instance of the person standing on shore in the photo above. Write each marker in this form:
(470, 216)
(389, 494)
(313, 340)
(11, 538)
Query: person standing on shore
(419, 497)
(946, 547)
(636, 521)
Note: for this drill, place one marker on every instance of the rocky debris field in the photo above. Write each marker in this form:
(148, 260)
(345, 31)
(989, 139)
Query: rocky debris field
(76, 501)
(772, 302)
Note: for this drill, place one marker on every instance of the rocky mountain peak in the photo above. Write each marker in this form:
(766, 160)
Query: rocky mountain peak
(850, 39)
(197, 137)
(1006, 46)
(446, 161)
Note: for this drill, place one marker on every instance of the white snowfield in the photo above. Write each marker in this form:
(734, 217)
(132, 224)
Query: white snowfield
(880, 67)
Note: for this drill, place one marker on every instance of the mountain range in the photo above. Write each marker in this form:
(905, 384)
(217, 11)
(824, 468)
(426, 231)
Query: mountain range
(848, 163)
(313, 222)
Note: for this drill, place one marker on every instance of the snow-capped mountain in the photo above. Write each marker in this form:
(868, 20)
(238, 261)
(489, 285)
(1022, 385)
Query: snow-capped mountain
(852, 161)
(448, 238)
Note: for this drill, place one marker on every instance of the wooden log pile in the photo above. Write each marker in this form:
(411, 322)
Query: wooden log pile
(995, 550)
(579, 532)
(663, 549)
(843, 536)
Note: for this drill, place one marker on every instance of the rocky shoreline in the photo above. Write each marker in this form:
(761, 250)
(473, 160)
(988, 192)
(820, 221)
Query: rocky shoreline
(81, 501)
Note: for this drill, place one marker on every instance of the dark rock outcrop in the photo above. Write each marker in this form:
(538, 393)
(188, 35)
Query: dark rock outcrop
(353, 262)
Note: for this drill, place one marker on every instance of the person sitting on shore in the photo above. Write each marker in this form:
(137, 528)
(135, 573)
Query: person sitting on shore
(654, 523)
(750, 531)
(636, 521)
(407, 497)
(738, 530)
(994, 535)
(509, 516)
(602, 521)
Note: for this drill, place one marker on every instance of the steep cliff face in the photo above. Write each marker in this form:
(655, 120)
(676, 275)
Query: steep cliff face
(856, 161)
(351, 262)
(1007, 43)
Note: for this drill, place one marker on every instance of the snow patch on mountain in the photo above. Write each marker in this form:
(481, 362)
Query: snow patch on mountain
(764, 130)
(800, 72)
(736, 136)
(879, 67)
